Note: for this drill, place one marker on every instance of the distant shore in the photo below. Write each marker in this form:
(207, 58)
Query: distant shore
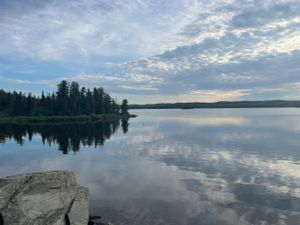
(64, 119)
(235, 104)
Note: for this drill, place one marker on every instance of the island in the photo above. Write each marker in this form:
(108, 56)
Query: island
(69, 103)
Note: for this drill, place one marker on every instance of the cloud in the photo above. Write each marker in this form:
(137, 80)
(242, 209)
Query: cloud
(237, 79)
(149, 48)
(15, 81)
(259, 16)
(56, 30)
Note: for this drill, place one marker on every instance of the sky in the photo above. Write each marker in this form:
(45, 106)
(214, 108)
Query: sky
(154, 50)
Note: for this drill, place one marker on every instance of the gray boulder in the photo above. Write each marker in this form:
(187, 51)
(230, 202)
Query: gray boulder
(50, 198)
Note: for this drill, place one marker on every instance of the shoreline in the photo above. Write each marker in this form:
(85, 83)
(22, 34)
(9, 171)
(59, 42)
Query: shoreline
(219, 105)
(64, 119)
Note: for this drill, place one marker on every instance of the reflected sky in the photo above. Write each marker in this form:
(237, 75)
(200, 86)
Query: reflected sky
(200, 166)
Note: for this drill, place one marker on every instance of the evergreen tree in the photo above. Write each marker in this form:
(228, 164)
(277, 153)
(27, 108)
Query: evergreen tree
(99, 100)
(42, 102)
(29, 104)
(62, 97)
(17, 104)
(49, 106)
(89, 102)
(82, 103)
(107, 104)
(74, 98)
(124, 106)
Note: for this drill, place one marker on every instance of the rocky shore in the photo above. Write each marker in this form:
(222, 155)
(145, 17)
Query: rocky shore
(50, 198)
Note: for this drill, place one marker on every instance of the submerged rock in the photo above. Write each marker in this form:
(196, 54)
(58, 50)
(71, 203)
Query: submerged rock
(50, 198)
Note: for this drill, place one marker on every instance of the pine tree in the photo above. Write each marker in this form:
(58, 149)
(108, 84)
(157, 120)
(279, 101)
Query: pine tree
(74, 98)
(82, 103)
(89, 102)
(42, 101)
(124, 106)
(29, 104)
(62, 97)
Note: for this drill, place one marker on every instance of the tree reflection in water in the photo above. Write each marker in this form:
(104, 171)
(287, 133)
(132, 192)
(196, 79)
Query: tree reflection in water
(68, 137)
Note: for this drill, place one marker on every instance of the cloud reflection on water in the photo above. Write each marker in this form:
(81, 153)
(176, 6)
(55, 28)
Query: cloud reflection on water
(236, 168)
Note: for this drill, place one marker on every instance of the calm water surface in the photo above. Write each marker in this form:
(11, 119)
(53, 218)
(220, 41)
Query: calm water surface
(174, 167)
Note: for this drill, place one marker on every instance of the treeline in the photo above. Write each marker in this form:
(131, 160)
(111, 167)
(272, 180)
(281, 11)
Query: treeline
(69, 99)
(237, 104)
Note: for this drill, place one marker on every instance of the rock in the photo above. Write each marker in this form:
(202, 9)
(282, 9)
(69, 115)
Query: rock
(80, 204)
(50, 198)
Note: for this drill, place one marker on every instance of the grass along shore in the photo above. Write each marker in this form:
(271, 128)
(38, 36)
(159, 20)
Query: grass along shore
(64, 119)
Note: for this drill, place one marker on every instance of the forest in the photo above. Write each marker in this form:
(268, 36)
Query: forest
(68, 100)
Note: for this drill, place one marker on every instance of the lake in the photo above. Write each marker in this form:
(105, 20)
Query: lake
(173, 167)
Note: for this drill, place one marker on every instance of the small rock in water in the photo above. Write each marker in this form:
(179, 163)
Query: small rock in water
(98, 223)
(95, 217)
(94, 220)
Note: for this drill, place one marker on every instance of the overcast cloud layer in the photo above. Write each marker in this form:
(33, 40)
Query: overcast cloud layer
(154, 50)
